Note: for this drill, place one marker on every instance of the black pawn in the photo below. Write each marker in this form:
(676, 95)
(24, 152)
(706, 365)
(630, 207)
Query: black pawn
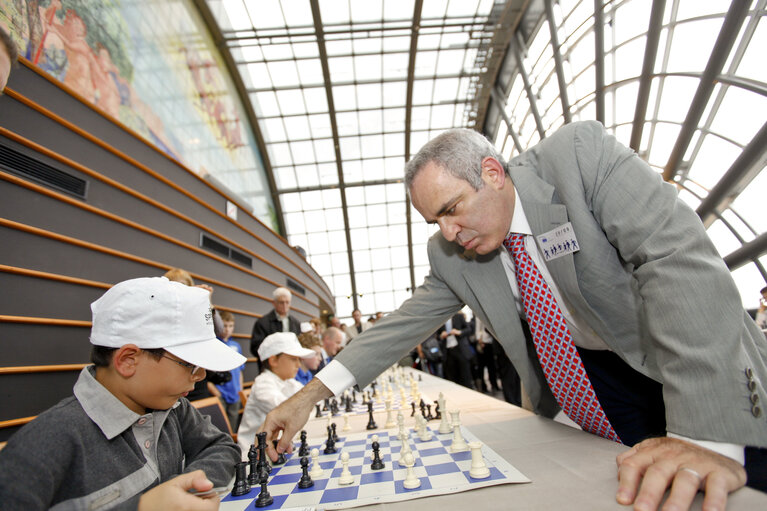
(280, 456)
(325, 405)
(413, 412)
(354, 396)
(348, 408)
(241, 486)
(306, 480)
(252, 457)
(319, 411)
(437, 413)
(371, 421)
(377, 464)
(303, 450)
(330, 443)
(428, 413)
(264, 498)
(335, 435)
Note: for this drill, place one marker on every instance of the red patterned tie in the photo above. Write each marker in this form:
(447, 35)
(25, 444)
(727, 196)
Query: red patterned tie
(561, 362)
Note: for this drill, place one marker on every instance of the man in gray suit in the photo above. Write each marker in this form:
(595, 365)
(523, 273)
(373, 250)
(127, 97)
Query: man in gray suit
(640, 286)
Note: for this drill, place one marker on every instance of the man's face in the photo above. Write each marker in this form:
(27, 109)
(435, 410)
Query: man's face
(5, 67)
(475, 219)
(356, 315)
(282, 305)
(313, 363)
(331, 344)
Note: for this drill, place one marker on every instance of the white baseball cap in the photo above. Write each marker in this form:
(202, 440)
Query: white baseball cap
(283, 342)
(155, 313)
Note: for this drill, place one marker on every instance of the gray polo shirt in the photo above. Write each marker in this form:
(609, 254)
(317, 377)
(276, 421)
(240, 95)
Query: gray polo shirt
(91, 452)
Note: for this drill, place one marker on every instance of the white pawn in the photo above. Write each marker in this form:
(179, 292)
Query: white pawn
(478, 468)
(411, 481)
(316, 470)
(404, 450)
(389, 420)
(346, 476)
(346, 423)
(401, 424)
(373, 438)
(459, 444)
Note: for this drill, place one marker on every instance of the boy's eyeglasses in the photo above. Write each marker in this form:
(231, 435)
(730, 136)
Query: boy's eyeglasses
(193, 368)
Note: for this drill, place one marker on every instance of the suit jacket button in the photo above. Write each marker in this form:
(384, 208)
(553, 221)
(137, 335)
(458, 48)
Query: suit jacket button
(749, 373)
(756, 411)
(751, 385)
(754, 398)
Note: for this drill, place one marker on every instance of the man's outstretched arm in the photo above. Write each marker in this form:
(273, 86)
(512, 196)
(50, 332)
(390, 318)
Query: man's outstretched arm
(291, 416)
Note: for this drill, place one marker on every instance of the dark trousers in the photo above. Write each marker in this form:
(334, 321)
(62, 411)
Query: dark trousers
(457, 368)
(634, 405)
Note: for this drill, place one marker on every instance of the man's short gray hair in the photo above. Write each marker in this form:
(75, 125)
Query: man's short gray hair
(281, 291)
(460, 151)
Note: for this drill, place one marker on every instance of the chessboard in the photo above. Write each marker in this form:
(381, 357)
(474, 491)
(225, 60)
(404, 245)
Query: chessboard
(439, 471)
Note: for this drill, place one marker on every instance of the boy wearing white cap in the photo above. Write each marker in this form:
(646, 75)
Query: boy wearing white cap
(126, 430)
(280, 354)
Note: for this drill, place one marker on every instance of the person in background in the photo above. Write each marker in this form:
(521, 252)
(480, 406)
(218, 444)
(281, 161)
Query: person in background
(8, 56)
(228, 391)
(282, 354)
(761, 313)
(309, 366)
(332, 340)
(357, 327)
(278, 319)
(128, 438)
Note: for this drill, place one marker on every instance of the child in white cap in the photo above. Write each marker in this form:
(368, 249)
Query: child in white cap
(126, 439)
(280, 354)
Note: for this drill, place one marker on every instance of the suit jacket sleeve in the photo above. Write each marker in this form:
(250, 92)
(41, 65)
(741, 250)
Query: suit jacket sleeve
(690, 306)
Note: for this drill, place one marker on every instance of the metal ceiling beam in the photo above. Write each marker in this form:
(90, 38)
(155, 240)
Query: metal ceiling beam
(357, 184)
(417, 8)
(749, 163)
(645, 78)
(517, 47)
(733, 20)
(556, 50)
(316, 15)
(599, 60)
(242, 92)
(750, 252)
(498, 98)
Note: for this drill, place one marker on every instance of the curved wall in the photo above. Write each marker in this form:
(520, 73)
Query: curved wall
(85, 203)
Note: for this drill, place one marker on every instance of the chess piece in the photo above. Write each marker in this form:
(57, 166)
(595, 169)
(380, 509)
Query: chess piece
(459, 444)
(405, 449)
(346, 423)
(429, 416)
(335, 435)
(303, 450)
(423, 433)
(280, 456)
(241, 486)
(371, 421)
(346, 476)
(389, 420)
(401, 424)
(330, 443)
(318, 412)
(377, 464)
(444, 425)
(263, 467)
(373, 438)
(412, 414)
(306, 479)
(411, 481)
(316, 471)
(478, 468)
(264, 498)
(252, 458)
(325, 405)
(437, 414)
(348, 408)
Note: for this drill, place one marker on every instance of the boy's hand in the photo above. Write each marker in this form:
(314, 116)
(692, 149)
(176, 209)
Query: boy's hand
(290, 416)
(174, 494)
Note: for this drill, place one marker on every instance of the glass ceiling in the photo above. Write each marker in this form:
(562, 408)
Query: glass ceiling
(344, 91)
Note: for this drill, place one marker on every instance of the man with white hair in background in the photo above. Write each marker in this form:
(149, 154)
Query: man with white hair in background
(278, 320)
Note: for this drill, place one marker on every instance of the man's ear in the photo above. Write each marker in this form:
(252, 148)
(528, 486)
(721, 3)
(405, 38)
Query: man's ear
(493, 172)
(126, 359)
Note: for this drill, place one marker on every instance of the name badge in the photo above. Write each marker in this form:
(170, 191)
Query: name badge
(558, 242)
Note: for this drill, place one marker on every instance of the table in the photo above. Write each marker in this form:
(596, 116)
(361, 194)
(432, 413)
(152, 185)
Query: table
(569, 469)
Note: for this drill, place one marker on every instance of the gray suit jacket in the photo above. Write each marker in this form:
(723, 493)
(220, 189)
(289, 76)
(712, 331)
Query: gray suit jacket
(647, 279)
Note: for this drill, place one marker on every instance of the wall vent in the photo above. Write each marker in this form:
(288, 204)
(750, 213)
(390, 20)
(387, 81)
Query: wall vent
(30, 168)
(295, 286)
(225, 250)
